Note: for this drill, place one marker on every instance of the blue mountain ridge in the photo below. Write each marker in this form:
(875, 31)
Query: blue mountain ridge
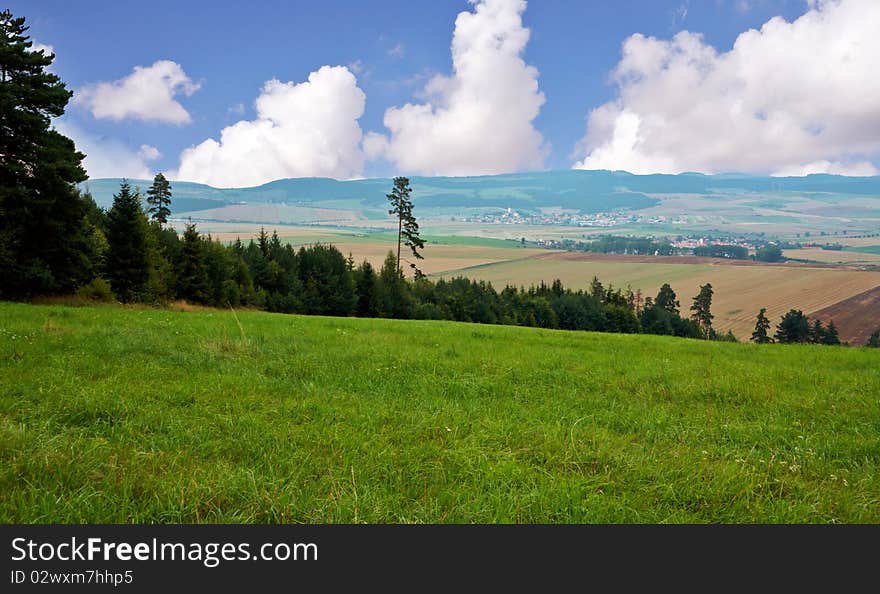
(586, 191)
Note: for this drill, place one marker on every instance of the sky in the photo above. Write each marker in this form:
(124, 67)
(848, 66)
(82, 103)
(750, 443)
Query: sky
(238, 94)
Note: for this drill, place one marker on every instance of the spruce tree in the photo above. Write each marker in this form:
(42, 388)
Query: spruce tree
(394, 295)
(43, 236)
(874, 339)
(128, 267)
(817, 332)
(263, 242)
(831, 336)
(597, 290)
(193, 275)
(366, 284)
(762, 326)
(159, 199)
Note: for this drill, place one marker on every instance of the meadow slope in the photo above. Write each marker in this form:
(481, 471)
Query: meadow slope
(111, 414)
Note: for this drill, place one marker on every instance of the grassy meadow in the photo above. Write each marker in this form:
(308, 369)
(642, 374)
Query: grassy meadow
(111, 414)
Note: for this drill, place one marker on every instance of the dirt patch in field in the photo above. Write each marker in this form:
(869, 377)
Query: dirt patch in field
(596, 257)
(856, 318)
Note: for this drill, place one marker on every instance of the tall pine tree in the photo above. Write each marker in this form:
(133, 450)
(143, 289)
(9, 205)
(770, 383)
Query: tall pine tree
(44, 237)
(128, 267)
(159, 199)
(701, 309)
(407, 226)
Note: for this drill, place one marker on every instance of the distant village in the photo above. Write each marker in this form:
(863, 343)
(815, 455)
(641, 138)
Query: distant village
(606, 220)
(599, 219)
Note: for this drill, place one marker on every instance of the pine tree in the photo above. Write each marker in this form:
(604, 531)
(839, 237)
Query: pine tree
(762, 326)
(701, 308)
(874, 340)
(407, 227)
(794, 327)
(43, 235)
(159, 199)
(128, 267)
(666, 299)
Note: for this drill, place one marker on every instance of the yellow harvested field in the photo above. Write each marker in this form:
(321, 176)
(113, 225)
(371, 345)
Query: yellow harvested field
(438, 258)
(856, 241)
(740, 291)
(832, 256)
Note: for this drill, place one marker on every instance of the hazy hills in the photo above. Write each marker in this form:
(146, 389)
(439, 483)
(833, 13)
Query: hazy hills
(586, 191)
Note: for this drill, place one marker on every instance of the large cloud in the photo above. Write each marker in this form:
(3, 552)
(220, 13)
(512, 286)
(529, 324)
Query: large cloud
(301, 130)
(147, 94)
(108, 157)
(799, 97)
(479, 120)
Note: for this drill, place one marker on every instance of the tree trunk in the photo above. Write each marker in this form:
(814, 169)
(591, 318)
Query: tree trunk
(399, 229)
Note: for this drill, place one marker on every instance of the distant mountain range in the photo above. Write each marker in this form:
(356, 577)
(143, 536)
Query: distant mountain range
(585, 191)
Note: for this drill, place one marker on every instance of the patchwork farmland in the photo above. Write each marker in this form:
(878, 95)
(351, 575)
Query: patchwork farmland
(741, 288)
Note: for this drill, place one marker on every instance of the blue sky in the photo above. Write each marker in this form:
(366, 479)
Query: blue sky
(229, 50)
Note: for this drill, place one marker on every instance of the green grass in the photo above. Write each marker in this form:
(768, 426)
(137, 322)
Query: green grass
(868, 249)
(149, 415)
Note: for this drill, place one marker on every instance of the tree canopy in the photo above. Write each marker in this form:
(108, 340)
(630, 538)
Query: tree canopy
(44, 245)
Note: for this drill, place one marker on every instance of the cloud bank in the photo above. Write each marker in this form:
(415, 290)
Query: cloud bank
(148, 93)
(793, 98)
(479, 119)
(301, 130)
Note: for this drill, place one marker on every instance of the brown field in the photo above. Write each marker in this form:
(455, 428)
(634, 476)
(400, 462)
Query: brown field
(596, 257)
(856, 318)
(832, 256)
(740, 290)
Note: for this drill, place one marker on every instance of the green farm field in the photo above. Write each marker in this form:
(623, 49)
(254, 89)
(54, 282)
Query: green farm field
(111, 414)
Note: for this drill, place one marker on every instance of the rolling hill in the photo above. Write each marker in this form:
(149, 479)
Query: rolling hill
(578, 191)
(148, 415)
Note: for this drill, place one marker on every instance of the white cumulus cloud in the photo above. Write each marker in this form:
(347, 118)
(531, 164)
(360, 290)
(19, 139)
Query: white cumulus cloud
(36, 46)
(148, 93)
(149, 153)
(301, 130)
(479, 119)
(108, 157)
(793, 97)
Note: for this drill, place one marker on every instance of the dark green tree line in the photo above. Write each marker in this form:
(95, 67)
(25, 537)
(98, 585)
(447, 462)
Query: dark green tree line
(45, 242)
